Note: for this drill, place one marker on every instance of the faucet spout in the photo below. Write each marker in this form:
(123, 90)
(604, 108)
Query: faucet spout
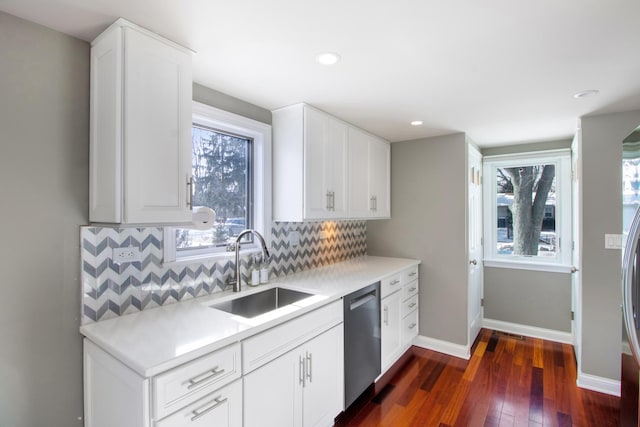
(237, 282)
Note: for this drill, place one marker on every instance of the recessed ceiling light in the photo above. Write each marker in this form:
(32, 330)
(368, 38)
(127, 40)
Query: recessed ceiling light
(416, 123)
(327, 58)
(585, 93)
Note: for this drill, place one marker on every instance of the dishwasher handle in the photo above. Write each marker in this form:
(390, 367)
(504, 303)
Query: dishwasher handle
(362, 300)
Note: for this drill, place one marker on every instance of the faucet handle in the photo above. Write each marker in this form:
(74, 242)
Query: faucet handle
(231, 247)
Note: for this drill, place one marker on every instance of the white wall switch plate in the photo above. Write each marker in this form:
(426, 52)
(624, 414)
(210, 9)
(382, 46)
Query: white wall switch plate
(294, 238)
(613, 241)
(324, 234)
(128, 254)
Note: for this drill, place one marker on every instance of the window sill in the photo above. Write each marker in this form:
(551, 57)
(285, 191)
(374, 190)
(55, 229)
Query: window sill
(214, 257)
(527, 265)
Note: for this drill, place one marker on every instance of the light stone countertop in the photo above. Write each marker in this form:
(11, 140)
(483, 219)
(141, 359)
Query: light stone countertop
(153, 341)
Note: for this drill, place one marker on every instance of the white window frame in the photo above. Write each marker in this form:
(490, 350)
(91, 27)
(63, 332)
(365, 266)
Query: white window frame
(234, 124)
(561, 263)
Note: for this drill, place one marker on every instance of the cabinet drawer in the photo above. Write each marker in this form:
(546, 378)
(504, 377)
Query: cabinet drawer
(262, 348)
(410, 327)
(410, 305)
(410, 274)
(410, 289)
(185, 384)
(390, 284)
(220, 408)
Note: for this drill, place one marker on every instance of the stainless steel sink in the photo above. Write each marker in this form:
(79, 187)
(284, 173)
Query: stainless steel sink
(262, 302)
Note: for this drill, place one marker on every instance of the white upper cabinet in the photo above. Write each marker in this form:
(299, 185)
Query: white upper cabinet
(309, 165)
(140, 144)
(319, 162)
(369, 176)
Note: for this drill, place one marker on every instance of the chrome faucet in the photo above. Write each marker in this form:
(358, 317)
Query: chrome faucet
(237, 282)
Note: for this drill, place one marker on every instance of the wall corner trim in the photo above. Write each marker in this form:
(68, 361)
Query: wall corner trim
(529, 331)
(446, 347)
(599, 384)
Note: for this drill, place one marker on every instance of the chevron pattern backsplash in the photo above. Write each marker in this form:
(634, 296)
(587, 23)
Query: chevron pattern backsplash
(110, 289)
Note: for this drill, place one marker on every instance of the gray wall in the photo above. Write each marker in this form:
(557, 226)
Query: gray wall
(428, 207)
(228, 103)
(602, 137)
(44, 141)
(531, 298)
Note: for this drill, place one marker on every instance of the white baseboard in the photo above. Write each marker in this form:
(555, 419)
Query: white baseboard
(599, 384)
(529, 331)
(446, 347)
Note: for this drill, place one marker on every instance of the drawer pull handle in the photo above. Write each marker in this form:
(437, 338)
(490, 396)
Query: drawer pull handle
(413, 273)
(195, 381)
(412, 289)
(197, 413)
(413, 304)
(309, 367)
(394, 282)
(411, 326)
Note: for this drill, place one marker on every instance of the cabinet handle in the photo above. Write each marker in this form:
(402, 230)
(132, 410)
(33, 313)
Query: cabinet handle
(372, 203)
(412, 289)
(386, 315)
(394, 282)
(309, 367)
(413, 304)
(411, 326)
(301, 369)
(333, 201)
(197, 413)
(375, 203)
(413, 273)
(328, 200)
(190, 192)
(195, 381)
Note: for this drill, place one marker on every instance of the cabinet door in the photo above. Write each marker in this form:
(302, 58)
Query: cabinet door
(391, 333)
(273, 393)
(324, 383)
(325, 154)
(379, 178)
(336, 166)
(315, 164)
(157, 130)
(359, 197)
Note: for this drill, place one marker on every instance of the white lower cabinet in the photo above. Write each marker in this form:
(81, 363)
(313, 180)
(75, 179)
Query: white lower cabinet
(398, 315)
(204, 392)
(303, 387)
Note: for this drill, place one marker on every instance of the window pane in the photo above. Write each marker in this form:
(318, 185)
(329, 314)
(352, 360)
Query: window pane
(222, 181)
(526, 210)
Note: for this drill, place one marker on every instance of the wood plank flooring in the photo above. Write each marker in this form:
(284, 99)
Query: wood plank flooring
(509, 381)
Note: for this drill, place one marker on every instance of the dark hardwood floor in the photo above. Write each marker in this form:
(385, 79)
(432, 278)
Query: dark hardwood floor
(509, 381)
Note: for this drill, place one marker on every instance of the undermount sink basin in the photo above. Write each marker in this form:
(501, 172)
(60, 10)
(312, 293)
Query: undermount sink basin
(262, 302)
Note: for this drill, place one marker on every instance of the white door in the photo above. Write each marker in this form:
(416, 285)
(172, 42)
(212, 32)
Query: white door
(576, 212)
(379, 181)
(336, 167)
(157, 130)
(273, 393)
(391, 328)
(474, 184)
(359, 206)
(315, 141)
(323, 392)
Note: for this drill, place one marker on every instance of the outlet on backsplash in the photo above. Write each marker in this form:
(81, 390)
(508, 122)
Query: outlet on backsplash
(128, 254)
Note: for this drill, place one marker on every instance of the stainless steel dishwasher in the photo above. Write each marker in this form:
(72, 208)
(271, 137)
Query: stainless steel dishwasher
(361, 341)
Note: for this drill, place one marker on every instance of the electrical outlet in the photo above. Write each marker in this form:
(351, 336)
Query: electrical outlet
(294, 238)
(128, 254)
(324, 234)
(613, 241)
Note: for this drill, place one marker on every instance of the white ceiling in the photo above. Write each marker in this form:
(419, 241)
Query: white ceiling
(503, 71)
